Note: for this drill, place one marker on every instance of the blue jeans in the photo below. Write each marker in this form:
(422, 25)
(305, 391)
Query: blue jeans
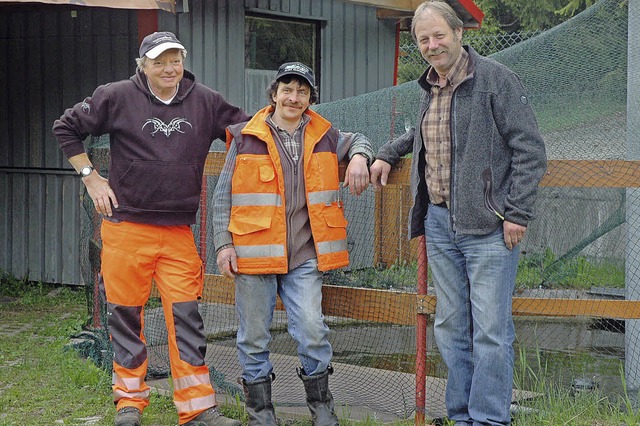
(301, 294)
(474, 278)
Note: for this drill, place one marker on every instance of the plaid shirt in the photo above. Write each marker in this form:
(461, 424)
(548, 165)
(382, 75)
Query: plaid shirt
(436, 130)
(291, 142)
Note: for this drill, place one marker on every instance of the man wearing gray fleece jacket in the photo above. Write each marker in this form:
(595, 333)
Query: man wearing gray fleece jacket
(477, 160)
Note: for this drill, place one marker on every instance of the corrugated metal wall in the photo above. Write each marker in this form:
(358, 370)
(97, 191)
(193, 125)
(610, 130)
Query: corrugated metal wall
(53, 56)
(50, 58)
(356, 49)
(212, 31)
(356, 56)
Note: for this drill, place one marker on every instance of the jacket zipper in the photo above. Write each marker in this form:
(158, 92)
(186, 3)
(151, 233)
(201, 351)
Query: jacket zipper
(292, 204)
(452, 174)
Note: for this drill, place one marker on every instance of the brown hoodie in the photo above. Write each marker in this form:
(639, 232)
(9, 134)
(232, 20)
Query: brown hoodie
(157, 151)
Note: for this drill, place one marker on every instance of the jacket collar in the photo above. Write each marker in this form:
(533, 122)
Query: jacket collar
(257, 126)
(473, 55)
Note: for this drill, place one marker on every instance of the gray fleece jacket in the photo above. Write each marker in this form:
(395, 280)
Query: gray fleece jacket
(497, 153)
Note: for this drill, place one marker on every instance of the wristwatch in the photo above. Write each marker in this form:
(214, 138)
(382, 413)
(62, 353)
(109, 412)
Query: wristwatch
(85, 171)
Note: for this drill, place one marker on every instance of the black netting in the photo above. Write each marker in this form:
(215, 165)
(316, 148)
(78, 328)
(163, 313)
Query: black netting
(579, 255)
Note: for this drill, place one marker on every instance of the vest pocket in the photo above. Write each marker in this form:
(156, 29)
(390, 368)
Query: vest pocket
(334, 216)
(248, 219)
(254, 174)
(267, 174)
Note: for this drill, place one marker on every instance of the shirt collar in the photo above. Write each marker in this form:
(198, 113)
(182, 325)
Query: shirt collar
(456, 74)
(305, 119)
(168, 101)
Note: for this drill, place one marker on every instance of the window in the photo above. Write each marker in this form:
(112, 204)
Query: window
(270, 42)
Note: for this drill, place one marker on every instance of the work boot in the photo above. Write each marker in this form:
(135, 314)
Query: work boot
(258, 401)
(319, 398)
(212, 417)
(128, 416)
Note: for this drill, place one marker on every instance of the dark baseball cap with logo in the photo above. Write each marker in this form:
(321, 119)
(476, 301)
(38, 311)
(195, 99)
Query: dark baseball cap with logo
(156, 43)
(299, 69)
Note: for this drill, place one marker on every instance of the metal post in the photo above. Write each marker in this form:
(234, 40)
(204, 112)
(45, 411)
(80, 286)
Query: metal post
(632, 272)
(421, 336)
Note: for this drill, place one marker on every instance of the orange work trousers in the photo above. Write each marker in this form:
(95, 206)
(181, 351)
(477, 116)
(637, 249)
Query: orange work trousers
(134, 255)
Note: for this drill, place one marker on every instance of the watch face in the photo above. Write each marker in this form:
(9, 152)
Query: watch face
(86, 171)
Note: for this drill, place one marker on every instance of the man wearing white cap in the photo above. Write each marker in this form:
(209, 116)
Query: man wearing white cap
(278, 224)
(161, 123)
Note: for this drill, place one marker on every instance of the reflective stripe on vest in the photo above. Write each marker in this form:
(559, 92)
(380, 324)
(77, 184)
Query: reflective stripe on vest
(324, 197)
(271, 250)
(328, 247)
(256, 200)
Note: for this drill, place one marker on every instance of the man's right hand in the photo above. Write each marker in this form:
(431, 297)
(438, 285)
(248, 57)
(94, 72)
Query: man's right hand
(379, 171)
(228, 262)
(101, 193)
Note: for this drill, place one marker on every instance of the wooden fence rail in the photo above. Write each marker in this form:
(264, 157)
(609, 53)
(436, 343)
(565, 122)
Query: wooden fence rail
(401, 307)
(391, 208)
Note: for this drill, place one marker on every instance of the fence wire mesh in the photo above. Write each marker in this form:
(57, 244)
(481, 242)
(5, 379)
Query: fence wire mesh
(411, 64)
(576, 320)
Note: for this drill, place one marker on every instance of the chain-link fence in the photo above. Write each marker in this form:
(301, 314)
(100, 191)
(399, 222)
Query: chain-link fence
(577, 287)
(411, 64)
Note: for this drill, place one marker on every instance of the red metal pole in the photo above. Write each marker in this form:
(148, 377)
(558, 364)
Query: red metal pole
(396, 58)
(421, 336)
(147, 23)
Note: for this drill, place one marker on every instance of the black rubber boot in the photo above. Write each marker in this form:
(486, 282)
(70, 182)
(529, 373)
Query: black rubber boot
(319, 398)
(258, 401)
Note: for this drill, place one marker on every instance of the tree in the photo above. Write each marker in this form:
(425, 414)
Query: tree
(504, 16)
(575, 6)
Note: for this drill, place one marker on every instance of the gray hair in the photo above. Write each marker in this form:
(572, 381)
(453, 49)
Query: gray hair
(441, 8)
(141, 62)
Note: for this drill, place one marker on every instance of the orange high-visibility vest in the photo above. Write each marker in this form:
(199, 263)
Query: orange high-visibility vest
(258, 222)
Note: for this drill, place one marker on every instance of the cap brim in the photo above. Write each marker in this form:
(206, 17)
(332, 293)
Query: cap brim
(298, 74)
(156, 51)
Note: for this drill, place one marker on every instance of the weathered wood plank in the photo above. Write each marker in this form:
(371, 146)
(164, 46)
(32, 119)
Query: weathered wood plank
(394, 307)
(560, 173)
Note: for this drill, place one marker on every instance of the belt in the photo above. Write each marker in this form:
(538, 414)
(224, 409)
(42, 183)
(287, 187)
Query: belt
(442, 204)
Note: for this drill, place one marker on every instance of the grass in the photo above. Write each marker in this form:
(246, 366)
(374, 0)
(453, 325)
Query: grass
(577, 109)
(537, 270)
(560, 405)
(577, 273)
(44, 382)
(396, 276)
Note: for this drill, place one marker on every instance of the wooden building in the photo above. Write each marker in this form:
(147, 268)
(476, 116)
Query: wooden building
(55, 52)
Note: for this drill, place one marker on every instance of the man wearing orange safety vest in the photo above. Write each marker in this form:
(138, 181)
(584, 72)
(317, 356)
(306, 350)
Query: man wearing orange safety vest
(278, 224)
